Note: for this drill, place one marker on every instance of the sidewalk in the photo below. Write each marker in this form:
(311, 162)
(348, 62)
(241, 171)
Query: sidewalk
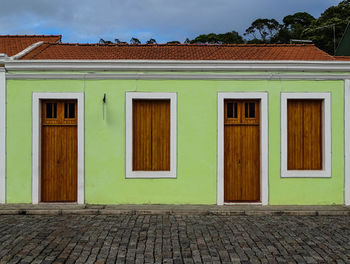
(75, 209)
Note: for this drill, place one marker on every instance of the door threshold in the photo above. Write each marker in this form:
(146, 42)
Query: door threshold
(254, 203)
(59, 203)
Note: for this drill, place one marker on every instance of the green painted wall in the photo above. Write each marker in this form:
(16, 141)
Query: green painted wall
(197, 141)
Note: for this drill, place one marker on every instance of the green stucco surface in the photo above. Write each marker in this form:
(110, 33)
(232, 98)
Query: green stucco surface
(196, 141)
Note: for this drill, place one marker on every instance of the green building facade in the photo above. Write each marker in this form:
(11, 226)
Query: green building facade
(198, 90)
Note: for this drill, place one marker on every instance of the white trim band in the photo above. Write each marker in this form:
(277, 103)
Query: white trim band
(176, 76)
(176, 65)
(347, 143)
(36, 142)
(2, 136)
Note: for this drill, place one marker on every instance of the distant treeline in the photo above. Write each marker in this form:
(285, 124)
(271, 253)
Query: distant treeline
(296, 27)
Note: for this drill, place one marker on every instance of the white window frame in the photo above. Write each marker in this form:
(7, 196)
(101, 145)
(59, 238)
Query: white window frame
(347, 142)
(326, 172)
(130, 173)
(264, 144)
(2, 136)
(36, 142)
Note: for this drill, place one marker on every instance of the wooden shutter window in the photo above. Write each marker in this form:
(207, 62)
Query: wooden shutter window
(151, 135)
(304, 130)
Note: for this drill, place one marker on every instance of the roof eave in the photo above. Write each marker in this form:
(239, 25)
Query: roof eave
(175, 65)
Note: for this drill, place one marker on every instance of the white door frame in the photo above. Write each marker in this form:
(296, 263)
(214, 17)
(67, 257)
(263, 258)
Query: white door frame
(347, 143)
(2, 135)
(36, 142)
(264, 152)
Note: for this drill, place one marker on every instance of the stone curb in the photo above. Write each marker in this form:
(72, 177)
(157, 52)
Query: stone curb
(174, 212)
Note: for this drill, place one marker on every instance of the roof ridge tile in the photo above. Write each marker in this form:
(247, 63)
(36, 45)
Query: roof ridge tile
(28, 36)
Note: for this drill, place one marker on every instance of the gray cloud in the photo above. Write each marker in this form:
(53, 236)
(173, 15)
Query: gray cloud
(164, 20)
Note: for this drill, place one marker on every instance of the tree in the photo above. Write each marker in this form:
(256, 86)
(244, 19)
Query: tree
(135, 41)
(187, 41)
(321, 30)
(293, 27)
(102, 41)
(117, 41)
(226, 38)
(174, 42)
(230, 38)
(263, 29)
(151, 41)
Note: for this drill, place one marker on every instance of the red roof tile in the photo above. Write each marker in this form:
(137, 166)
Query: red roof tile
(342, 58)
(62, 51)
(12, 44)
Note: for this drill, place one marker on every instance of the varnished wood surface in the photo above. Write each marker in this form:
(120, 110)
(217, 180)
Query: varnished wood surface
(151, 135)
(242, 154)
(59, 155)
(304, 134)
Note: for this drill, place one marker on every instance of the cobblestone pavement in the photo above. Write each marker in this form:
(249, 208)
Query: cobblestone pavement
(174, 239)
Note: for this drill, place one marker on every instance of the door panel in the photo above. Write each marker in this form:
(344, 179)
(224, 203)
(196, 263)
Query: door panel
(232, 175)
(242, 151)
(59, 153)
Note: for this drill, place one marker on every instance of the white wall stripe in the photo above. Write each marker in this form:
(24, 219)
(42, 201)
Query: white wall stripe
(2, 136)
(176, 76)
(347, 143)
(177, 65)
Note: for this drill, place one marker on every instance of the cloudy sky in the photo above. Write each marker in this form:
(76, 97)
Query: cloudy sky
(165, 20)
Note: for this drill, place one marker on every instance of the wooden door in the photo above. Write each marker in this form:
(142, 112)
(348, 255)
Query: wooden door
(59, 155)
(242, 151)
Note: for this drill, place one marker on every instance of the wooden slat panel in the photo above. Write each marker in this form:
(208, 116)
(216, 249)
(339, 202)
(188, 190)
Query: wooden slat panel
(151, 135)
(313, 135)
(232, 160)
(59, 156)
(250, 163)
(161, 135)
(304, 134)
(142, 135)
(295, 126)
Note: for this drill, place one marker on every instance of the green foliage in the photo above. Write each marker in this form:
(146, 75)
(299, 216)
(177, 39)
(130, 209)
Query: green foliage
(321, 30)
(226, 38)
(102, 41)
(263, 28)
(151, 41)
(135, 41)
(174, 42)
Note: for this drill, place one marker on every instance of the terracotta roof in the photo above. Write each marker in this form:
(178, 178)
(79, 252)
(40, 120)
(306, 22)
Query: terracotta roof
(12, 44)
(63, 51)
(342, 58)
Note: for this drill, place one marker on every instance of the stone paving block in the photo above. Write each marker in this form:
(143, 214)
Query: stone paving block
(81, 212)
(170, 238)
(44, 212)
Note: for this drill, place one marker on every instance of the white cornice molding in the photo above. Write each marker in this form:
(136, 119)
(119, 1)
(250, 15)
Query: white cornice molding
(26, 50)
(3, 58)
(173, 65)
(176, 76)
